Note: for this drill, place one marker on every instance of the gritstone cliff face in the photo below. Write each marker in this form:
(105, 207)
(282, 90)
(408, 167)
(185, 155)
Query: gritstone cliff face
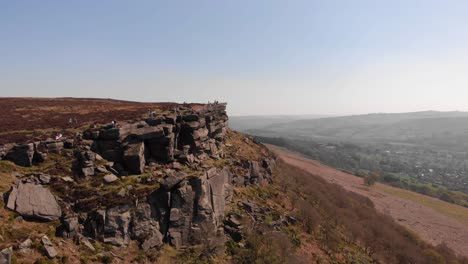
(166, 178)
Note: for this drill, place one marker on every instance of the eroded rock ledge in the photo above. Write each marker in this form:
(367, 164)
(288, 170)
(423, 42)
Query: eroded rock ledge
(181, 153)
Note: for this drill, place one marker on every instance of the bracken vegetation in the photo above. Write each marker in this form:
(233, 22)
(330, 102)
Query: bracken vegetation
(344, 226)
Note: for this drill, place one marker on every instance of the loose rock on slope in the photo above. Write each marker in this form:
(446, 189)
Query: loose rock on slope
(34, 201)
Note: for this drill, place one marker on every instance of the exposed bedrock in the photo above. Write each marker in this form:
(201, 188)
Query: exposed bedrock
(164, 138)
(182, 213)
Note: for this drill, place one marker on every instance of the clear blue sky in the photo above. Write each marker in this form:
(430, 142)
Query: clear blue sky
(262, 57)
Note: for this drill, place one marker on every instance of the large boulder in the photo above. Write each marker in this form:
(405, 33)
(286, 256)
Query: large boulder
(220, 192)
(141, 130)
(34, 201)
(162, 149)
(21, 155)
(134, 157)
(54, 147)
(109, 149)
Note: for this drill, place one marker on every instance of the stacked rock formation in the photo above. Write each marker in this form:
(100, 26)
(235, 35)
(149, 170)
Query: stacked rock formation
(182, 134)
(29, 154)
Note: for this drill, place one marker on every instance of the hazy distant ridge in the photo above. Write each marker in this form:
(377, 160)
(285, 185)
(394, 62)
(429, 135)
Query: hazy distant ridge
(446, 129)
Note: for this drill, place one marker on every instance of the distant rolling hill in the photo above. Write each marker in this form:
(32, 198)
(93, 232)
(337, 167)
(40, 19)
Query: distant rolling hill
(441, 129)
(242, 123)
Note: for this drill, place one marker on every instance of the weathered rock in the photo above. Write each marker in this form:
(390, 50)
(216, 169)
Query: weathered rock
(71, 226)
(25, 246)
(44, 178)
(146, 132)
(146, 227)
(154, 121)
(109, 149)
(190, 118)
(233, 222)
(91, 134)
(51, 252)
(219, 183)
(110, 178)
(172, 180)
(116, 226)
(85, 161)
(109, 134)
(269, 164)
(134, 157)
(34, 201)
(67, 179)
(21, 155)
(182, 213)
(94, 224)
(53, 146)
(197, 208)
(87, 244)
(5, 255)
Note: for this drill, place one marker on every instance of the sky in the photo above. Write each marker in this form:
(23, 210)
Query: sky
(262, 57)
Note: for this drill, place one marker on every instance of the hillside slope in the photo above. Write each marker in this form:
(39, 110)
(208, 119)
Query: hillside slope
(435, 221)
(174, 184)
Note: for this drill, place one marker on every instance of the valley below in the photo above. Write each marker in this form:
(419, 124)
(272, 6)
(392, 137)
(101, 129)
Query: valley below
(435, 221)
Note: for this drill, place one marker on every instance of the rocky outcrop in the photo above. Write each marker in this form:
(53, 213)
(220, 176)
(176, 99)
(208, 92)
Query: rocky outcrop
(85, 162)
(134, 157)
(27, 155)
(184, 211)
(260, 171)
(34, 201)
(181, 134)
(180, 200)
(22, 155)
(51, 146)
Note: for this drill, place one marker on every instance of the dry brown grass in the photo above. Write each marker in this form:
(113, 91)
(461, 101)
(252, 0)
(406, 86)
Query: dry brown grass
(339, 218)
(240, 146)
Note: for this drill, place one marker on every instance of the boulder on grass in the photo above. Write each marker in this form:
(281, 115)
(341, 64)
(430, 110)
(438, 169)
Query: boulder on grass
(34, 201)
